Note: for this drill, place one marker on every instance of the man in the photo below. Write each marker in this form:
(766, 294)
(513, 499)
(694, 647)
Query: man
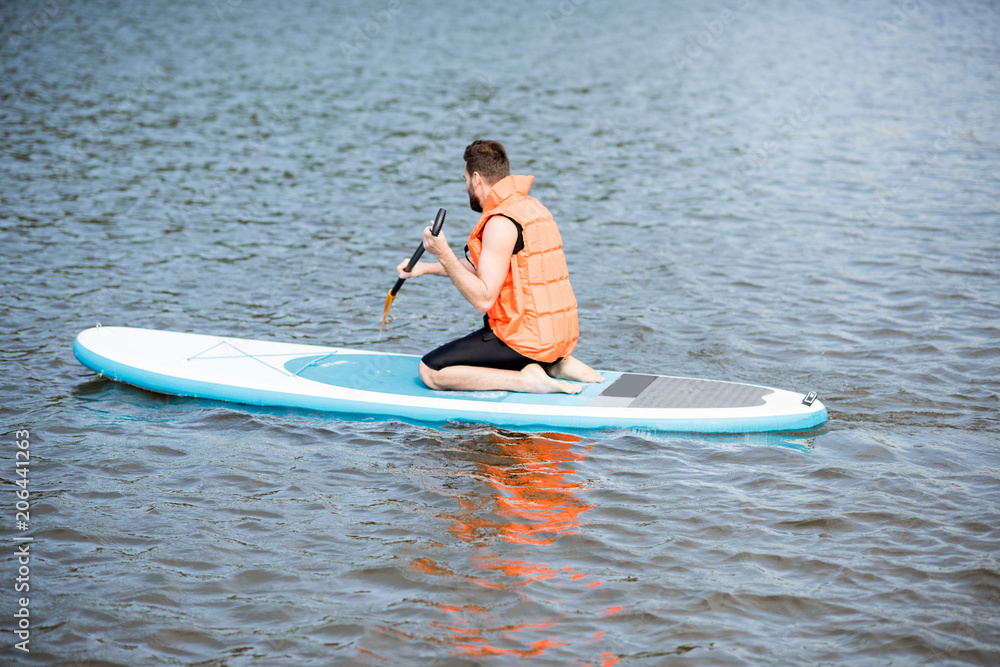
(516, 274)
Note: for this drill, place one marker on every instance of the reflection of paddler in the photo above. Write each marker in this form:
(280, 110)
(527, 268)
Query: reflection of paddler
(535, 493)
(533, 504)
(532, 490)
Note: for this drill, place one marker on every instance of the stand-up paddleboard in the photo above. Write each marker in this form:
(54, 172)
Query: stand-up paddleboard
(376, 383)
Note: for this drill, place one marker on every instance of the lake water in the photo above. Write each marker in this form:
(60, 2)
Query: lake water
(791, 194)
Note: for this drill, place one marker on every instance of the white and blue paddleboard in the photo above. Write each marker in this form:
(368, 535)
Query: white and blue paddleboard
(360, 382)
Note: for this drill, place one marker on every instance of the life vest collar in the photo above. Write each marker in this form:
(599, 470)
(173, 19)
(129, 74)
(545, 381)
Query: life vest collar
(512, 187)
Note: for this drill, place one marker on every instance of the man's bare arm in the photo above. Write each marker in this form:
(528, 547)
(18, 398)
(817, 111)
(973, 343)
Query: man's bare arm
(481, 287)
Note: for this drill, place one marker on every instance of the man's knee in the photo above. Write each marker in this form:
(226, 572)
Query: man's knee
(428, 376)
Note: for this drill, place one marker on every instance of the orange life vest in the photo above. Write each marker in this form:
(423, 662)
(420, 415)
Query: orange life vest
(535, 312)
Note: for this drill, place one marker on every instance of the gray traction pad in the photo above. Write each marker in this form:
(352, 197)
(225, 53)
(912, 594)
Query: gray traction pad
(652, 391)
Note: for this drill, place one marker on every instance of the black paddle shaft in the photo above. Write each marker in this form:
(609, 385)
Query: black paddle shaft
(435, 230)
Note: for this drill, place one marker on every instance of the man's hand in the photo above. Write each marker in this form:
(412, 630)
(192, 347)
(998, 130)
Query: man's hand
(421, 269)
(418, 270)
(436, 245)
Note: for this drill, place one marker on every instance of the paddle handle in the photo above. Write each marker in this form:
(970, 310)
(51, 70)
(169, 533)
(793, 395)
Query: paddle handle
(435, 230)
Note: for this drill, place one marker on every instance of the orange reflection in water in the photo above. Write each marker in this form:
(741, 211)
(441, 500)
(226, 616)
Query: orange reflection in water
(533, 496)
(533, 501)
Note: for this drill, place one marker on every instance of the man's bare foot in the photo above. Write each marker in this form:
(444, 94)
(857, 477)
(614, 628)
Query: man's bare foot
(573, 369)
(537, 381)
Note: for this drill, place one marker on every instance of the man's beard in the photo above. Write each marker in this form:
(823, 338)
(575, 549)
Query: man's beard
(474, 202)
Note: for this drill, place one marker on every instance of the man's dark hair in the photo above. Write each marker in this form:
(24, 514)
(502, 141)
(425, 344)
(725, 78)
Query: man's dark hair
(489, 158)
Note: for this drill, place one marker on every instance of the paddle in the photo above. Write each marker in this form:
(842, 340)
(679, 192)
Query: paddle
(435, 230)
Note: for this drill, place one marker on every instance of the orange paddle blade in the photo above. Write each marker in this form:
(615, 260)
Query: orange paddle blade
(385, 313)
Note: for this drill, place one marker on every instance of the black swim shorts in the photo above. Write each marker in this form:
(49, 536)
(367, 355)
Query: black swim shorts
(480, 348)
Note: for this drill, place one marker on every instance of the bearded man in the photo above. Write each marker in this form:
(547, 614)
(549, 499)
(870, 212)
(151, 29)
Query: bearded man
(515, 273)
